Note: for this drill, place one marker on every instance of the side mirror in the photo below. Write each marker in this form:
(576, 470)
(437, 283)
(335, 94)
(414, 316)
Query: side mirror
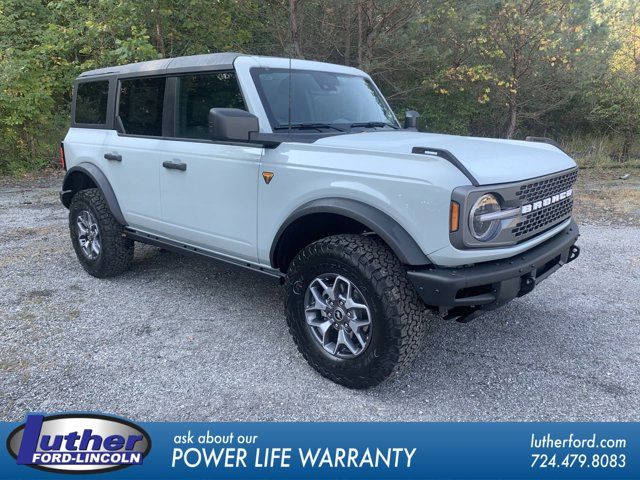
(232, 124)
(411, 120)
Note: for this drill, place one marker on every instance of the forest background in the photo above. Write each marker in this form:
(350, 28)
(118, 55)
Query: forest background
(563, 69)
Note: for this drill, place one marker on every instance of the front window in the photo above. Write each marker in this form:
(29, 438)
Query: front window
(321, 99)
(197, 94)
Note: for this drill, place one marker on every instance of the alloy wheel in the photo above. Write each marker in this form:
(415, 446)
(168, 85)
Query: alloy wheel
(338, 315)
(88, 235)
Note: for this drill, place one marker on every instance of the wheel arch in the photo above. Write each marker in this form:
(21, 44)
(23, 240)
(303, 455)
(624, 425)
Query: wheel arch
(301, 228)
(86, 175)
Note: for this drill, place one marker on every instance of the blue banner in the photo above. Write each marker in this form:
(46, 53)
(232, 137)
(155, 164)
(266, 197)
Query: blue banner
(318, 450)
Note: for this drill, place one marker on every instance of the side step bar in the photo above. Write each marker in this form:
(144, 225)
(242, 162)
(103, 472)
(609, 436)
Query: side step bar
(185, 249)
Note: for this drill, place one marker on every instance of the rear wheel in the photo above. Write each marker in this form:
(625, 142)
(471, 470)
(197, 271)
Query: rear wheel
(352, 311)
(98, 239)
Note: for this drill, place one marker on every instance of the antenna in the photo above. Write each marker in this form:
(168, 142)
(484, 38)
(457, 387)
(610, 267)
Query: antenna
(289, 122)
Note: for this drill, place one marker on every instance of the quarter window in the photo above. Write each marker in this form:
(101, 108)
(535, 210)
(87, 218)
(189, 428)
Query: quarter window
(140, 106)
(91, 103)
(197, 94)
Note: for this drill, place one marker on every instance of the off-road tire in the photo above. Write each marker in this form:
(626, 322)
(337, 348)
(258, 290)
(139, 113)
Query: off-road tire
(398, 315)
(116, 253)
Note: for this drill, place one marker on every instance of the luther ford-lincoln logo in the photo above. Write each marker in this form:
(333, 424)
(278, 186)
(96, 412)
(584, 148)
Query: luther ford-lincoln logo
(76, 443)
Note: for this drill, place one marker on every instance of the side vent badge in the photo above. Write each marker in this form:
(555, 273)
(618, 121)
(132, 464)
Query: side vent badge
(267, 177)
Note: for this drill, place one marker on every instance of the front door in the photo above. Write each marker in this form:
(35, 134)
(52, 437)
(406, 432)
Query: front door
(209, 190)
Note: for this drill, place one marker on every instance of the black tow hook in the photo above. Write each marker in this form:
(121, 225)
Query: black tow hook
(463, 314)
(574, 252)
(526, 285)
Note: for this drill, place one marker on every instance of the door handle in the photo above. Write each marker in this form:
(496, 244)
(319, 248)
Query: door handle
(116, 157)
(172, 165)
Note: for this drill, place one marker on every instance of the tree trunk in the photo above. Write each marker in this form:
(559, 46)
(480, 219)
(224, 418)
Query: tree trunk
(360, 33)
(159, 34)
(513, 116)
(513, 94)
(370, 34)
(347, 35)
(295, 28)
(366, 38)
(626, 145)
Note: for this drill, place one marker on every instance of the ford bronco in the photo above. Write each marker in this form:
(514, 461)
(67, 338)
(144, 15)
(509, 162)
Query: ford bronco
(300, 170)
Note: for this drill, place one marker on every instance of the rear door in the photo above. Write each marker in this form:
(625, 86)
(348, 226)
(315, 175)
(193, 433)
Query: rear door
(131, 159)
(208, 190)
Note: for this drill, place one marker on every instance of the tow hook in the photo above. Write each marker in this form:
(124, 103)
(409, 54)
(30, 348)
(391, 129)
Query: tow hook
(463, 314)
(574, 253)
(527, 284)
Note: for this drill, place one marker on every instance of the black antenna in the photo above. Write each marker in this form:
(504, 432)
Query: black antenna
(290, 94)
(291, 50)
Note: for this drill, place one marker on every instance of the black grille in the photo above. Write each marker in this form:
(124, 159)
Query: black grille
(547, 217)
(545, 188)
(539, 219)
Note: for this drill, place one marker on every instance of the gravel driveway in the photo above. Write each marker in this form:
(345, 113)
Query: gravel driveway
(180, 339)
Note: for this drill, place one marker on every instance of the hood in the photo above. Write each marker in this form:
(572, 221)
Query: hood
(489, 160)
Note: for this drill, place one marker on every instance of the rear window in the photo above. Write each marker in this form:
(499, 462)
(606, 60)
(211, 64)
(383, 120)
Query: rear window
(91, 103)
(140, 106)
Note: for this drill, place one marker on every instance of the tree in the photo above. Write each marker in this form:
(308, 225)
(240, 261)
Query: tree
(614, 97)
(526, 42)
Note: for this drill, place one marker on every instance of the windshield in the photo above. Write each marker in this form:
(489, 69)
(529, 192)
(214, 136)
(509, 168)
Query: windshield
(321, 100)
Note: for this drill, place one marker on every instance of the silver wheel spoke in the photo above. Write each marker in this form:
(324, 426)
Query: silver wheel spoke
(350, 304)
(319, 303)
(343, 339)
(82, 230)
(336, 346)
(325, 288)
(341, 283)
(316, 321)
(357, 324)
(361, 339)
(324, 329)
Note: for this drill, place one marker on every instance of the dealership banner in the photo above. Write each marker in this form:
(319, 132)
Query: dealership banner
(105, 446)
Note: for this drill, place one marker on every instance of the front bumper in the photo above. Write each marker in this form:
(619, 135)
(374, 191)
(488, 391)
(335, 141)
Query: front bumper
(492, 284)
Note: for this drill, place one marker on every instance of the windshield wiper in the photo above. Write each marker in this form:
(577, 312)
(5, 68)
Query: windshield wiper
(374, 124)
(307, 126)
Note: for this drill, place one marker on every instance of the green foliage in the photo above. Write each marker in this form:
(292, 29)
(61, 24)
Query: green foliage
(560, 68)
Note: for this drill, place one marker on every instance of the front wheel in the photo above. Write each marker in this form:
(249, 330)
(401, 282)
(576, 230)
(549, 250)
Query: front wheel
(351, 310)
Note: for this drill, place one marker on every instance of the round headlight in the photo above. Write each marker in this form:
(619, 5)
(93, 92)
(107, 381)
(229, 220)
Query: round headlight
(487, 229)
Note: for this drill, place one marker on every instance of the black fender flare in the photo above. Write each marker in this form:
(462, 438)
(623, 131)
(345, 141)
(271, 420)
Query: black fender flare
(390, 231)
(101, 182)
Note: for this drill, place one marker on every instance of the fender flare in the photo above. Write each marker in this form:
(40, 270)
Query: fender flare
(390, 231)
(100, 180)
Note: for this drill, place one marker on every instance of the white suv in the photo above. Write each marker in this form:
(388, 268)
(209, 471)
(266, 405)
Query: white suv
(300, 170)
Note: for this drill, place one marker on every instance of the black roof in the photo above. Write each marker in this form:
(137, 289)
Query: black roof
(209, 61)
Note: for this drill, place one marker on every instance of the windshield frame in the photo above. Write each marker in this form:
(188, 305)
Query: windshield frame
(255, 71)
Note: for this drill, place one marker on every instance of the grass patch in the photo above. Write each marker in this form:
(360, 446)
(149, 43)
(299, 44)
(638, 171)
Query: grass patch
(601, 152)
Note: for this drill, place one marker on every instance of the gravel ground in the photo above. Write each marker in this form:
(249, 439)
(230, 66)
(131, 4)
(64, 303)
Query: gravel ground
(180, 339)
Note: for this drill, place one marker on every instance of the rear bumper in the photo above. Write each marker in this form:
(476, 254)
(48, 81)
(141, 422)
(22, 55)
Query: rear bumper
(492, 284)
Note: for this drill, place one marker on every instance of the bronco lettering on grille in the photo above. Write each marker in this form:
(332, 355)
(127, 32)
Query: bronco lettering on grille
(545, 202)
